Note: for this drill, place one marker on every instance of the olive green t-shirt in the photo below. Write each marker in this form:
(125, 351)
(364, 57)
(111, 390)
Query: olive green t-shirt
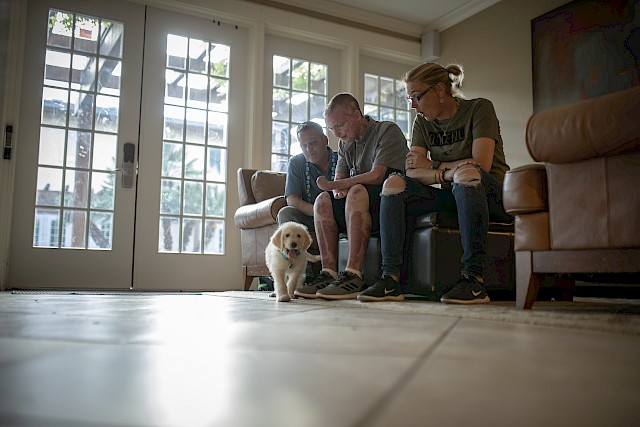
(382, 144)
(452, 139)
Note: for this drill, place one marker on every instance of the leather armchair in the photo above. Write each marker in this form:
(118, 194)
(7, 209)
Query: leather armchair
(577, 212)
(261, 195)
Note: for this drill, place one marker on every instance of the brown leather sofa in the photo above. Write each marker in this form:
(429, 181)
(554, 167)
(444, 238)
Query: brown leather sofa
(261, 195)
(578, 212)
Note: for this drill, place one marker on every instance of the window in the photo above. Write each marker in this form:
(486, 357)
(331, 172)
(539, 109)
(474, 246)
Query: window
(299, 94)
(74, 201)
(194, 151)
(385, 99)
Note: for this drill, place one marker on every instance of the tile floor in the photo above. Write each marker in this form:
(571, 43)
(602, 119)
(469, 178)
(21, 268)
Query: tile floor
(215, 360)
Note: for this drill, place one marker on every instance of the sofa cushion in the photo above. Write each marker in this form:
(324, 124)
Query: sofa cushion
(267, 185)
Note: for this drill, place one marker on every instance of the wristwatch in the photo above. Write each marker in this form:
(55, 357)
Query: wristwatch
(435, 164)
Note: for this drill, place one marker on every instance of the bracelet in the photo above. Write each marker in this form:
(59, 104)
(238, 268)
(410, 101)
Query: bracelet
(444, 171)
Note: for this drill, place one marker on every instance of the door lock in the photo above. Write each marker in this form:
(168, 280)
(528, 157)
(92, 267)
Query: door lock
(128, 164)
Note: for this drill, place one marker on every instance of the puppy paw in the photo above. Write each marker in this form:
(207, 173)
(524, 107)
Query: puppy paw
(272, 294)
(284, 298)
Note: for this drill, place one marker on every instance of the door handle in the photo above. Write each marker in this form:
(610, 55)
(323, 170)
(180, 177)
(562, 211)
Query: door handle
(128, 164)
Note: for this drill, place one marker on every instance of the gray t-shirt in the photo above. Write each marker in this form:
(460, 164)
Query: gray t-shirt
(452, 139)
(382, 144)
(302, 176)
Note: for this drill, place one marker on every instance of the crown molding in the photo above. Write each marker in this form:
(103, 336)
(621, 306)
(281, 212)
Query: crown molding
(460, 14)
(335, 12)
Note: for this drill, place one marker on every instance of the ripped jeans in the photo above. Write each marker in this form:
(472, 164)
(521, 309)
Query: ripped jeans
(474, 206)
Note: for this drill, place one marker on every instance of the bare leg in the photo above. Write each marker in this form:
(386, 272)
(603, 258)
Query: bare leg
(326, 231)
(358, 226)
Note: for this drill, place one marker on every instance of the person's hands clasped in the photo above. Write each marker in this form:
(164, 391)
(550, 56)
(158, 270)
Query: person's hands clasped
(326, 185)
(416, 160)
(339, 194)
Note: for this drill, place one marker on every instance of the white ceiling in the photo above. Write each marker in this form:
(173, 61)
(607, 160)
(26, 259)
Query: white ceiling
(424, 14)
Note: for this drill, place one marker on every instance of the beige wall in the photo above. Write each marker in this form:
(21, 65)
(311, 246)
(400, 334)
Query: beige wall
(494, 47)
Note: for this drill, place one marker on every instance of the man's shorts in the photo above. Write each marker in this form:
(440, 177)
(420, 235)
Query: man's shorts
(339, 206)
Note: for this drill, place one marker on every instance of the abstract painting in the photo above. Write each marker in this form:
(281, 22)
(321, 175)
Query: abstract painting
(583, 49)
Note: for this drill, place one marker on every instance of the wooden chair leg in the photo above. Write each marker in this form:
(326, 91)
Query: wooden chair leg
(527, 282)
(247, 280)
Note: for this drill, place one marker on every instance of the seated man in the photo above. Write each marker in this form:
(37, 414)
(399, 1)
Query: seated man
(369, 151)
(317, 159)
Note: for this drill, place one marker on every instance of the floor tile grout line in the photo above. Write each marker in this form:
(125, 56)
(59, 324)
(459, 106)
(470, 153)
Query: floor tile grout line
(385, 400)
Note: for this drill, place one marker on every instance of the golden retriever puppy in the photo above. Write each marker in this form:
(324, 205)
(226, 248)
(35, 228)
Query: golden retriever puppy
(286, 256)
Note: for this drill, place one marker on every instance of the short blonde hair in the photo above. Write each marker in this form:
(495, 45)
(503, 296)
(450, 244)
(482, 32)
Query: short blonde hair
(432, 73)
(343, 99)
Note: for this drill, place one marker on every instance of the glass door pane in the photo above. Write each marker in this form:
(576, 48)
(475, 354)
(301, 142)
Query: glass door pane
(76, 164)
(194, 149)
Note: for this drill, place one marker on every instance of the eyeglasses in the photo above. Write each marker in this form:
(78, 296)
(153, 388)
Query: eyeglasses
(417, 98)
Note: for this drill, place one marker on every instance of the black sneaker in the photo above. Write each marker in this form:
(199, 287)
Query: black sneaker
(384, 289)
(346, 286)
(468, 290)
(308, 290)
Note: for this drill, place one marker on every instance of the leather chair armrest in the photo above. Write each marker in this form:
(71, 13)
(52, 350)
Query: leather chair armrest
(525, 190)
(259, 214)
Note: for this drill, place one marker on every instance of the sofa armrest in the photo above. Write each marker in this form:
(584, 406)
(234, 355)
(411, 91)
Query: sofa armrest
(259, 214)
(525, 190)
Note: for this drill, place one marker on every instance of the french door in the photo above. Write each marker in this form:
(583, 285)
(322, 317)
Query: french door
(122, 174)
(192, 108)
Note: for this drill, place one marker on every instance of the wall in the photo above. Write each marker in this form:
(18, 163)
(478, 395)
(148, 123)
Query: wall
(494, 47)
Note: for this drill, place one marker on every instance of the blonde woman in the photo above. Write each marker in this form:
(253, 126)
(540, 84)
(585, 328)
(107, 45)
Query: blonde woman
(456, 143)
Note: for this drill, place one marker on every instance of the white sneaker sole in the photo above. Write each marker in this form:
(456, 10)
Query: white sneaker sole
(461, 301)
(338, 297)
(368, 298)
